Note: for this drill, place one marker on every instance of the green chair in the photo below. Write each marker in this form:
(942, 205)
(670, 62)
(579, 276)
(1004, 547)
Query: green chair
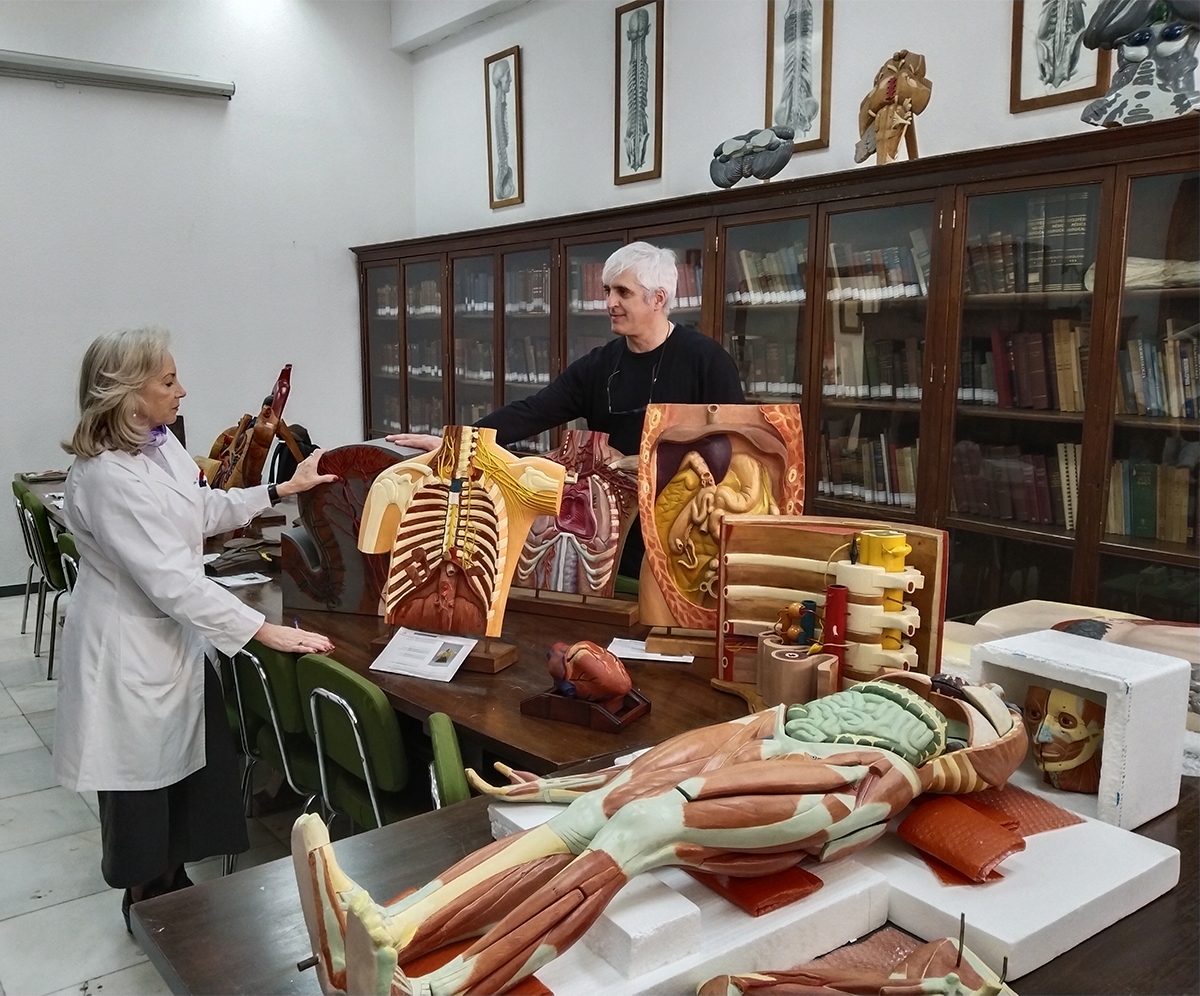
(447, 780)
(19, 492)
(363, 763)
(45, 551)
(623, 585)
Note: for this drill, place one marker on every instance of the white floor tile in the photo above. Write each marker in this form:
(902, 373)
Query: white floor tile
(55, 871)
(15, 645)
(39, 816)
(17, 734)
(64, 945)
(26, 771)
(206, 870)
(7, 706)
(39, 696)
(22, 670)
(138, 980)
(43, 725)
(92, 801)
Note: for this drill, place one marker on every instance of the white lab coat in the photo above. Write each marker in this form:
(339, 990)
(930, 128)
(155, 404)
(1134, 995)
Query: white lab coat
(131, 680)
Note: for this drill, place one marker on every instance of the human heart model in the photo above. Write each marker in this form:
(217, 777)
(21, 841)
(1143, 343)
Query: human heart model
(454, 521)
(585, 670)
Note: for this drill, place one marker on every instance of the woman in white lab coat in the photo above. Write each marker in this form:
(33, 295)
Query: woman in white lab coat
(140, 717)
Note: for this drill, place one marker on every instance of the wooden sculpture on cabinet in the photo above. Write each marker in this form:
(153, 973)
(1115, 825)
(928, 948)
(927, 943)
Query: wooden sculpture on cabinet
(239, 454)
(323, 568)
(575, 553)
(454, 521)
(747, 798)
(697, 462)
(889, 112)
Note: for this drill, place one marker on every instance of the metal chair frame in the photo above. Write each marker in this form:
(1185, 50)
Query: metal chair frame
(319, 739)
(434, 792)
(33, 563)
(70, 568)
(40, 556)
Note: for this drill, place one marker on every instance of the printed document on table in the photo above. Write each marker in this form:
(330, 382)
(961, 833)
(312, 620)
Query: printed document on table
(636, 650)
(242, 580)
(424, 655)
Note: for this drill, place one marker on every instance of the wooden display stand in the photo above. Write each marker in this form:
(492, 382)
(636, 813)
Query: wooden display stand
(621, 612)
(700, 643)
(565, 709)
(488, 657)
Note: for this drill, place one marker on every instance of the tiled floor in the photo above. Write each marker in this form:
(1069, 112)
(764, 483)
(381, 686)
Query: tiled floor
(61, 930)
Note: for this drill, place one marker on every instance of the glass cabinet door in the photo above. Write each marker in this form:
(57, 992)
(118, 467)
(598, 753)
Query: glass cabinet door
(527, 367)
(474, 332)
(765, 296)
(873, 356)
(689, 284)
(383, 350)
(1149, 553)
(587, 310)
(423, 337)
(1022, 371)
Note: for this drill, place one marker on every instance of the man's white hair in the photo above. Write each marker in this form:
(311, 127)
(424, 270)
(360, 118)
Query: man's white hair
(654, 268)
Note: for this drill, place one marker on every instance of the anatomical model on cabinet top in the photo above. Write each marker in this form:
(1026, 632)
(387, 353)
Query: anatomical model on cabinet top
(888, 114)
(454, 521)
(748, 798)
(696, 463)
(578, 550)
(1066, 732)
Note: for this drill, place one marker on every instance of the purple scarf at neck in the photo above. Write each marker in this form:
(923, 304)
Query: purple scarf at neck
(158, 436)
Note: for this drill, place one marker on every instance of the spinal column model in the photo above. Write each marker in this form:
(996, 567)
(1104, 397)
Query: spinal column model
(454, 521)
(578, 550)
(637, 132)
(797, 108)
(502, 81)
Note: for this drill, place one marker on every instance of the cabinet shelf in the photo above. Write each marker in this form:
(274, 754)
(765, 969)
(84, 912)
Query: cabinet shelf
(859, 509)
(1024, 531)
(1149, 549)
(1167, 292)
(866, 404)
(1019, 414)
(1026, 299)
(1155, 422)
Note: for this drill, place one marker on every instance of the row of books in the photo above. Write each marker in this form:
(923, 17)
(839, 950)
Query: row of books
(474, 359)
(879, 274)
(585, 284)
(469, 413)
(527, 291)
(1151, 501)
(775, 277)
(527, 360)
(877, 471)
(474, 293)
(767, 367)
(423, 298)
(1159, 377)
(535, 444)
(1052, 253)
(425, 414)
(580, 344)
(1002, 482)
(387, 304)
(877, 369)
(1040, 370)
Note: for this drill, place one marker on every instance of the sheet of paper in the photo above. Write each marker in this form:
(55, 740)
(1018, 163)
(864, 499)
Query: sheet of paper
(424, 655)
(636, 650)
(242, 580)
(210, 557)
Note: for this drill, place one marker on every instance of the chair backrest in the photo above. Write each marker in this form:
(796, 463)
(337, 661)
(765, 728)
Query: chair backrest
(68, 557)
(46, 549)
(449, 779)
(19, 492)
(377, 724)
(281, 691)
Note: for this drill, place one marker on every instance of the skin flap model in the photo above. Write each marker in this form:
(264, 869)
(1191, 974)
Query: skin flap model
(745, 798)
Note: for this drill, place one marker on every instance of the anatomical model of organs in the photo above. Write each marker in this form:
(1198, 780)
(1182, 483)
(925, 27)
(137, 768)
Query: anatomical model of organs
(454, 521)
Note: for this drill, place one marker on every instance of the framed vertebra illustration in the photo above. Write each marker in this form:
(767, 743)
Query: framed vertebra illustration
(799, 58)
(1050, 66)
(637, 143)
(502, 90)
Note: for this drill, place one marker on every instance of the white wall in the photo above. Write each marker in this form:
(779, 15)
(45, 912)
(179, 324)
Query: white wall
(227, 222)
(715, 63)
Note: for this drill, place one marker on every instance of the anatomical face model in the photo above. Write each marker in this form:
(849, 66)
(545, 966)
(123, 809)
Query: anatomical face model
(578, 550)
(889, 112)
(1065, 734)
(696, 463)
(745, 798)
(454, 521)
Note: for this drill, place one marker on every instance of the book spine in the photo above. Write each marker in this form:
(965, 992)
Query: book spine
(1035, 231)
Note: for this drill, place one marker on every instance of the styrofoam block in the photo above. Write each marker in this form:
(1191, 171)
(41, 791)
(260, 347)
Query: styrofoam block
(1145, 699)
(512, 817)
(1067, 885)
(852, 902)
(645, 925)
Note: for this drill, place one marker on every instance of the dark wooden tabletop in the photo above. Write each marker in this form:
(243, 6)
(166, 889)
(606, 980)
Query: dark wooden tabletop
(245, 933)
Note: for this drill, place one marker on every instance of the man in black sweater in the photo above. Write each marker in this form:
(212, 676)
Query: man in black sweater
(650, 359)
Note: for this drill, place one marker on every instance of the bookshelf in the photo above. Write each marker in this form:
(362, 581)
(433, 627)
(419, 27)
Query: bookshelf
(960, 332)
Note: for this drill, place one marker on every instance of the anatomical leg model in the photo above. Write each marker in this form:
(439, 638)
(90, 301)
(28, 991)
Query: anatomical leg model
(744, 798)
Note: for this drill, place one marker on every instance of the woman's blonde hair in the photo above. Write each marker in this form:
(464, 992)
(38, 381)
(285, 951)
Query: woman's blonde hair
(115, 369)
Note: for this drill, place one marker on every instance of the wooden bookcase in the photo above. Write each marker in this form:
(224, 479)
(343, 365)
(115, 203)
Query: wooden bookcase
(960, 332)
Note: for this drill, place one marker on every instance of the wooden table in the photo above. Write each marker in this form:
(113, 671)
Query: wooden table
(245, 933)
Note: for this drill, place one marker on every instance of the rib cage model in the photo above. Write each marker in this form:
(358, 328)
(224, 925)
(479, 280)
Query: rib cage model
(637, 132)
(797, 107)
(454, 520)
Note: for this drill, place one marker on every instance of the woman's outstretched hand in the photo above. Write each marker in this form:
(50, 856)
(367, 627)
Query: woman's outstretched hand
(306, 476)
(293, 641)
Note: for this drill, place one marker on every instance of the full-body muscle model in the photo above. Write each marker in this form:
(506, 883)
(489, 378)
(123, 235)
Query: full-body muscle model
(745, 798)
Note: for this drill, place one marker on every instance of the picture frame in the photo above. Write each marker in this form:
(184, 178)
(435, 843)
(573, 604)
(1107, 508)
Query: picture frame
(1084, 73)
(809, 107)
(637, 137)
(505, 130)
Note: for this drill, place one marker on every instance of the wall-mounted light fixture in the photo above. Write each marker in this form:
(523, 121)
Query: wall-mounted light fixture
(49, 67)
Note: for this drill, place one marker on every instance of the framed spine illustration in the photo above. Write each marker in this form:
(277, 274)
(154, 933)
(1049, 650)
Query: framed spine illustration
(502, 91)
(637, 142)
(1050, 64)
(799, 60)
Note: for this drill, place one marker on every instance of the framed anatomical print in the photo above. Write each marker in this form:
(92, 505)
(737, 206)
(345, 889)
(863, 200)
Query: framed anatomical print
(637, 144)
(799, 58)
(1050, 64)
(502, 89)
